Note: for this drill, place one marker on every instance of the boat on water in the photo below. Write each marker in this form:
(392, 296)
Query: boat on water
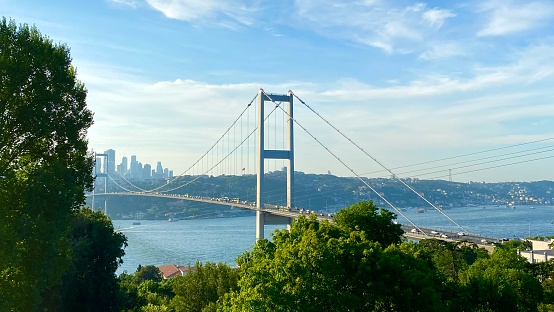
(421, 210)
(137, 223)
(172, 220)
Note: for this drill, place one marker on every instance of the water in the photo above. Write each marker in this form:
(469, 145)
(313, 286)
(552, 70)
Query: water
(187, 241)
(493, 221)
(223, 239)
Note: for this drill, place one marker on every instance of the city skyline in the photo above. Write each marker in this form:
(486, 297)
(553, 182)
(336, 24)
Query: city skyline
(411, 82)
(106, 162)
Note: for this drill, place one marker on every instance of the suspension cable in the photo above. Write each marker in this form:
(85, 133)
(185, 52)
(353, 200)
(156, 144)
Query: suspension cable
(345, 165)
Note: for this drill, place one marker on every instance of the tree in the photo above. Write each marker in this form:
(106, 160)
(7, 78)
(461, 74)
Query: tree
(145, 290)
(148, 273)
(452, 258)
(318, 266)
(376, 223)
(503, 282)
(44, 164)
(90, 284)
(544, 272)
(202, 287)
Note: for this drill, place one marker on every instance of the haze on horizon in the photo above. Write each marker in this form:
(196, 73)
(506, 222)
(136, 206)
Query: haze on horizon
(411, 82)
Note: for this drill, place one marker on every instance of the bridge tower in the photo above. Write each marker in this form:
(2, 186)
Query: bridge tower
(263, 218)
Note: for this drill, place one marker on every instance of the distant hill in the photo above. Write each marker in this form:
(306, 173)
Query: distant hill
(328, 193)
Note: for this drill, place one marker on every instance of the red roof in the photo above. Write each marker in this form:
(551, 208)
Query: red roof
(172, 270)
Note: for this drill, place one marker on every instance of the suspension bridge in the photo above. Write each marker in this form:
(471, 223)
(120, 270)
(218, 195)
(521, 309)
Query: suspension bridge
(263, 135)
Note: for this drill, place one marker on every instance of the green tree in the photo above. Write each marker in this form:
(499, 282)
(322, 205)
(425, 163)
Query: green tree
(452, 258)
(44, 165)
(145, 292)
(503, 282)
(202, 286)
(156, 295)
(376, 223)
(148, 273)
(544, 272)
(516, 244)
(318, 266)
(90, 284)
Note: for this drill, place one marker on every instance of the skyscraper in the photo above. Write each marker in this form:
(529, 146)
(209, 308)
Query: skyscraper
(124, 166)
(134, 167)
(111, 161)
(147, 171)
(159, 170)
(98, 165)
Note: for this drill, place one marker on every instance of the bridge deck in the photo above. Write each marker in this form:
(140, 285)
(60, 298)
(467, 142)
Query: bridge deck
(410, 232)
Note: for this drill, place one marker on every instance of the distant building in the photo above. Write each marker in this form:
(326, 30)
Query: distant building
(541, 251)
(111, 161)
(124, 166)
(171, 270)
(98, 165)
(147, 171)
(134, 168)
(159, 170)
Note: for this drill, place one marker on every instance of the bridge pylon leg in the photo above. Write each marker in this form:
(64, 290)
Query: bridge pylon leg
(264, 218)
(260, 224)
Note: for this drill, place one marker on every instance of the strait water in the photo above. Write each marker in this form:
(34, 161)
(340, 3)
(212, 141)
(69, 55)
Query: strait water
(223, 239)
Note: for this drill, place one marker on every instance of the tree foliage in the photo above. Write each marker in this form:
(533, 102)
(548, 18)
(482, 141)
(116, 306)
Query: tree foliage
(44, 164)
(202, 286)
(376, 223)
(503, 282)
(148, 273)
(452, 258)
(320, 266)
(90, 284)
(145, 290)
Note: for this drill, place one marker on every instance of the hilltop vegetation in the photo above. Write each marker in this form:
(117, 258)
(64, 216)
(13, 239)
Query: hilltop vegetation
(328, 193)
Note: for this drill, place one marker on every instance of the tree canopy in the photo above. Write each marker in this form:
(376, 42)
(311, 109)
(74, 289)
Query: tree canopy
(44, 164)
(90, 283)
(342, 266)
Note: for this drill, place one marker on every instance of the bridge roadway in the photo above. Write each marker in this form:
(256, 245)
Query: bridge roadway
(410, 231)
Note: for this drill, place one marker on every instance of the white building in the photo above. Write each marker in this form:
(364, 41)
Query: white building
(541, 251)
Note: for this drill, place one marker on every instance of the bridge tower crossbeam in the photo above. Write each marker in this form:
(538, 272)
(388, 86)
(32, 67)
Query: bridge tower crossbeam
(264, 218)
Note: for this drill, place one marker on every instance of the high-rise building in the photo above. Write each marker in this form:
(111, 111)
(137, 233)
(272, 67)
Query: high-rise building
(111, 161)
(166, 173)
(159, 170)
(147, 171)
(124, 166)
(134, 167)
(98, 165)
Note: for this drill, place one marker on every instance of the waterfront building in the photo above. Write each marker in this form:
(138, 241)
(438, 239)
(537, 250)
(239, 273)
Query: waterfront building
(541, 251)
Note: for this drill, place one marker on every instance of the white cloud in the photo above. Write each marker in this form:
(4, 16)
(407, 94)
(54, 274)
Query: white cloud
(507, 17)
(436, 17)
(226, 13)
(130, 3)
(375, 23)
(443, 50)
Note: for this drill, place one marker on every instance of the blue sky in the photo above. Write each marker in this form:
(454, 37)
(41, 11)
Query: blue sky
(409, 81)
